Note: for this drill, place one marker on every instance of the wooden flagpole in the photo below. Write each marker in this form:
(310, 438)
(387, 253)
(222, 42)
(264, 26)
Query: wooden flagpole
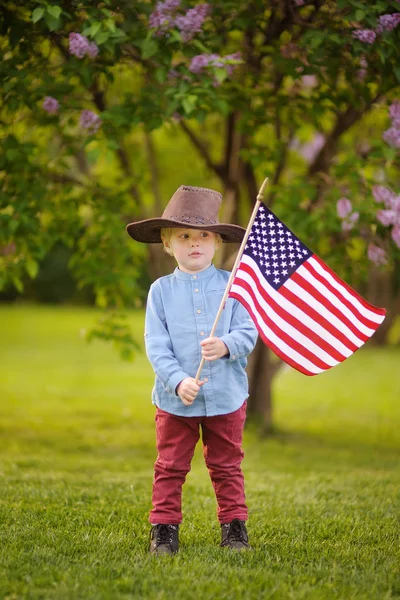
(260, 198)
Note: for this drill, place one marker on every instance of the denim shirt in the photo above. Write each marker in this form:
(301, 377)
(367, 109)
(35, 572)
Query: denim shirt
(180, 313)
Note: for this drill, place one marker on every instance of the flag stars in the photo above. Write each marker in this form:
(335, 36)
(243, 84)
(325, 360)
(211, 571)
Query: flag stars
(276, 251)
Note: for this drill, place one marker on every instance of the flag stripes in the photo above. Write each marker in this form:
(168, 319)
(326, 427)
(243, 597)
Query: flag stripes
(313, 321)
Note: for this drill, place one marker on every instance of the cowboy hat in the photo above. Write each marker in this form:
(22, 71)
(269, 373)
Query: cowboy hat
(192, 208)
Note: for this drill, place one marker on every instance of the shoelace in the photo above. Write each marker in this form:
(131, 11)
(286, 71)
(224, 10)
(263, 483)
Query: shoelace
(237, 532)
(164, 535)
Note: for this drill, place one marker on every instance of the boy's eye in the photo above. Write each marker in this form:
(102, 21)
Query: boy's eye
(204, 234)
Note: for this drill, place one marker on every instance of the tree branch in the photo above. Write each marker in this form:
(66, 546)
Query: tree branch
(200, 147)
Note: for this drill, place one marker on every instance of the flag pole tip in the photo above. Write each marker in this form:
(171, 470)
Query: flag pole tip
(260, 195)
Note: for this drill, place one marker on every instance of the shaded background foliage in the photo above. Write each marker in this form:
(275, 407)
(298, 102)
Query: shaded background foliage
(107, 107)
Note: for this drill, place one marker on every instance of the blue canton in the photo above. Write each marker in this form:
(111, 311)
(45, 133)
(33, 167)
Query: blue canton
(276, 250)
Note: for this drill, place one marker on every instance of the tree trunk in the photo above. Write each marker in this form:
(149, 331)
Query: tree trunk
(381, 293)
(261, 370)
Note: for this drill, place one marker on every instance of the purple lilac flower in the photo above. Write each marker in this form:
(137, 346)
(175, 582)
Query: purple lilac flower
(388, 22)
(191, 23)
(396, 235)
(80, 46)
(309, 81)
(362, 72)
(171, 4)
(392, 136)
(92, 50)
(310, 150)
(343, 207)
(50, 105)
(382, 194)
(299, 2)
(199, 62)
(367, 36)
(230, 68)
(394, 112)
(203, 61)
(376, 255)
(90, 121)
(349, 222)
(386, 217)
(395, 205)
(163, 17)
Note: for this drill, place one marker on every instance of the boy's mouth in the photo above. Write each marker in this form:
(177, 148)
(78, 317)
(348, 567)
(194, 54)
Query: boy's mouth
(195, 254)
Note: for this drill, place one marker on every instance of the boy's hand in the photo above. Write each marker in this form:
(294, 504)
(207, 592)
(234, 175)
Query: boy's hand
(213, 348)
(188, 389)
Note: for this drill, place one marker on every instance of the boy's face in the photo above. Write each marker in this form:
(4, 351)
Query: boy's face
(193, 249)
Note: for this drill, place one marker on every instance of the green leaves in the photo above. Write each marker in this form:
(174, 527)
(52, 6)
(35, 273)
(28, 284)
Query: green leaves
(189, 103)
(149, 47)
(37, 14)
(51, 15)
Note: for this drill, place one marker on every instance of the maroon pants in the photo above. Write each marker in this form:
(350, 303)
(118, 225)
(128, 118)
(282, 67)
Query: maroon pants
(222, 448)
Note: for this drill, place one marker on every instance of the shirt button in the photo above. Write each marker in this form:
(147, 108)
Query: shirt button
(194, 276)
(205, 379)
(233, 356)
(198, 311)
(201, 332)
(196, 290)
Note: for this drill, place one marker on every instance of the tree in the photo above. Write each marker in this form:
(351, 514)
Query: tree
(294, 89)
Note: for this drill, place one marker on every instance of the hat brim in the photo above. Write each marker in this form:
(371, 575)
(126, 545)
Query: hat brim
(149, 230)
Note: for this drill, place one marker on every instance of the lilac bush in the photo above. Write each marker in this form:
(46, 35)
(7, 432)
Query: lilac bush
(367, 36)
(376, 255)
(385, 23)
(343, 207)
(201, 62)
(80, 46)
(388, 22)
(50, 105)
(392, 135)
(349, 219)
(192, 22)
(90, 121)
(165, 17)
(390, 215)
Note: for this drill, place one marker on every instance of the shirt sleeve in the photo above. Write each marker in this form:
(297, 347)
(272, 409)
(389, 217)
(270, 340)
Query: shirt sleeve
(242, 336)
(158, 343)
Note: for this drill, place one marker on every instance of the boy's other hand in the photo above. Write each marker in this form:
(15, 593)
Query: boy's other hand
(213, 348)
(188, 389)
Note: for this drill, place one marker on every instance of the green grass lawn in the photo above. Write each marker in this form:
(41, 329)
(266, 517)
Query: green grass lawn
(76, 455)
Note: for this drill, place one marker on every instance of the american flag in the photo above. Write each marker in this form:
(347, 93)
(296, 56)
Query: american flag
(303, 311)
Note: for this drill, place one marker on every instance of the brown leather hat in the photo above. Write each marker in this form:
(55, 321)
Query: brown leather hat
(190, 207)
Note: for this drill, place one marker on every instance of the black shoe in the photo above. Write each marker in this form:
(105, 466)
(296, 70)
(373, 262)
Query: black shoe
(164, 539)
(234, 535)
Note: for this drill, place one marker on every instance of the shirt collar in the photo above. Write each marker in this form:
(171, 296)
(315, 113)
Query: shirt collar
(190, 276)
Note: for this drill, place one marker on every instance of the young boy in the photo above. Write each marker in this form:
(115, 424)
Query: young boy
(181, 309)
